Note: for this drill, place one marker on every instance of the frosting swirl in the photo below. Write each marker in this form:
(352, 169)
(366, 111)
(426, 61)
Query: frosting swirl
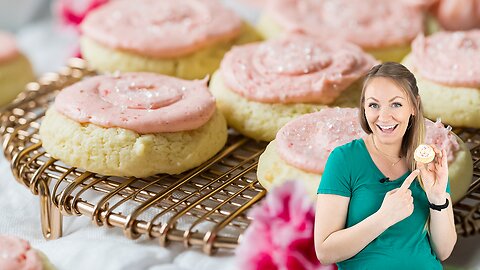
(307, 141)
(370, 24)
(451, 58)
(143, 102)
(8, 48)
(161, 28)
(294, 68)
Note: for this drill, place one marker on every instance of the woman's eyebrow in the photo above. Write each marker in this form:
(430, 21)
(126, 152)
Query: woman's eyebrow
(388, 101)
(396, 97)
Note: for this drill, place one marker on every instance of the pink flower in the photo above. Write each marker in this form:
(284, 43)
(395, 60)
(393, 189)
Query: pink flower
(72, 12)
(281, 233)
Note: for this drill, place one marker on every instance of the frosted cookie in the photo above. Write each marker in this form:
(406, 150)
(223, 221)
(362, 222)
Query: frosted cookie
(458, 15)
(262, 86)
(424, 153)
(301, 149)
(383, 28)
(460, 163)
(447, 68)
(15, 69)
(17, 254)
(184, 38)
(450, 15)
(134, 124)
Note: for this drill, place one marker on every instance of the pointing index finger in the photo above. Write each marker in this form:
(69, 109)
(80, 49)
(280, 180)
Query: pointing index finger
(409, 180)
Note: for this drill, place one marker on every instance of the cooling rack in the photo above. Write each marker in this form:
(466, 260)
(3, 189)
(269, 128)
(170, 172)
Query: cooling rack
(205, 207)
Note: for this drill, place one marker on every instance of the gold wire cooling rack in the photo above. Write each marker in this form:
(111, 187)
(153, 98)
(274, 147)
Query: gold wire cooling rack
(205, 207)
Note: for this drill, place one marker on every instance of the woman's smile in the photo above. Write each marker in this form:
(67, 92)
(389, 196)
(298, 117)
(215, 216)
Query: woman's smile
(387, 129)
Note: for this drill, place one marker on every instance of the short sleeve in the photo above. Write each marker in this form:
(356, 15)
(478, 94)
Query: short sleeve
(448, 186)
(335, 178)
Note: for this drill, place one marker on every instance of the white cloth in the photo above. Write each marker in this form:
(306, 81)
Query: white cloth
(86, 246)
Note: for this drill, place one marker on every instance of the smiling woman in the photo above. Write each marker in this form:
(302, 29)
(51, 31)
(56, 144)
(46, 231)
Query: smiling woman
(368, 216)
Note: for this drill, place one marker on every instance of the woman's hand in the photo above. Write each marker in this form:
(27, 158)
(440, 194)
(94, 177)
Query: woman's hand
(434, 176)
(398, 203)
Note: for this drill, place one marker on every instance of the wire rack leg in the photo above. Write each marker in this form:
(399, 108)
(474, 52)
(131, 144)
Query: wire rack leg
(50, 216)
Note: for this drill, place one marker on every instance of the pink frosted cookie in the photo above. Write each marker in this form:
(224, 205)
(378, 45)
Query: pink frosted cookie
(447, 68)
(383, 28)
(15, 69)
(301, 148)
(458, 15)
(261, 86)
(184, 38)
(134, 124)
(451, 15)
(17, 254)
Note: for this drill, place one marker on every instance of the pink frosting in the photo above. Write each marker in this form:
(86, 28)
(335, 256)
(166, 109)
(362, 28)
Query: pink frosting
(452, 15)
(451, 58)
(423, 4)
(307, 141)
(458, 14)
(16, 254)
(442, 138)
(294, 68)
(143, 102)
(8, 47)
(161, 28)
(369, 23)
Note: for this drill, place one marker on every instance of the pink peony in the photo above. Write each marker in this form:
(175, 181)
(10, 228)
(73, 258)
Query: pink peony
(72, 12)
(281, 233)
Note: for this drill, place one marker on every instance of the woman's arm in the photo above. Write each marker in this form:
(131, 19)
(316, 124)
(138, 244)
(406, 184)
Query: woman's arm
(442, 230)
(333, 243)
(442, 227)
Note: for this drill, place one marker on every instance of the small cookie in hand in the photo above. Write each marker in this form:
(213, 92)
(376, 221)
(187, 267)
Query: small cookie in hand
(424, 153)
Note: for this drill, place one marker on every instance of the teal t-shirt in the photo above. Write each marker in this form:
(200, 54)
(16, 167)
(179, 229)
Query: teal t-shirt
(351, 172)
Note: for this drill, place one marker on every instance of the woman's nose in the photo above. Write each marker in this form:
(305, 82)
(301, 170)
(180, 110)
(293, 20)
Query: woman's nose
(385, 113)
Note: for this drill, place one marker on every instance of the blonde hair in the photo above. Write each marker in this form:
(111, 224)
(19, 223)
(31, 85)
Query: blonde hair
(415, 133)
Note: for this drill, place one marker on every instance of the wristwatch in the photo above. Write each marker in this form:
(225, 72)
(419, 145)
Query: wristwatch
(439, 207)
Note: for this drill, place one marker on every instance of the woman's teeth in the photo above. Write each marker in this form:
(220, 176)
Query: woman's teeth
(387, 129)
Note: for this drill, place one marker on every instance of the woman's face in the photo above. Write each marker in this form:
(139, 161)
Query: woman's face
(387, 109)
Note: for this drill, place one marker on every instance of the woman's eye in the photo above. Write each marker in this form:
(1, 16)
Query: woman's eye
(373, 105)
(396, 105)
